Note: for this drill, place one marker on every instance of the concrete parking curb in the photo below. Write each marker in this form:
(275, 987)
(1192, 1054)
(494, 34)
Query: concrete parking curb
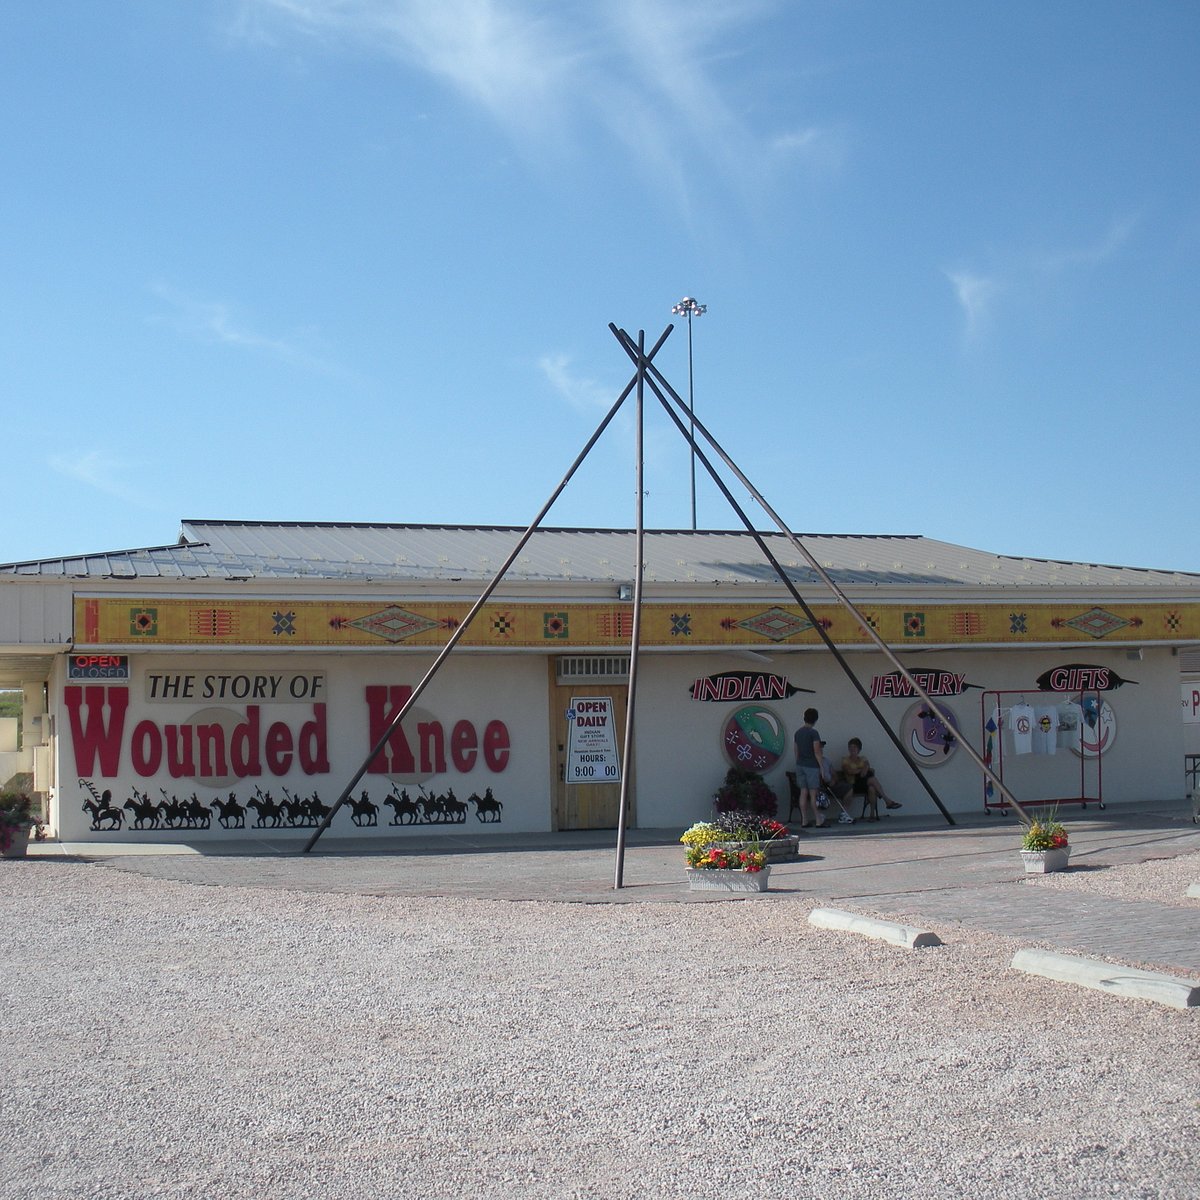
(872, 927)
(1172, 990)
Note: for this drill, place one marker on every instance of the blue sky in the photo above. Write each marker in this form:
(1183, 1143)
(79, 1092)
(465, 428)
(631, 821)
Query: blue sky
(356, 260)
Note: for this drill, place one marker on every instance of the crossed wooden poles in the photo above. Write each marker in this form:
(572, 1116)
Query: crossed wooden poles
(646, 372)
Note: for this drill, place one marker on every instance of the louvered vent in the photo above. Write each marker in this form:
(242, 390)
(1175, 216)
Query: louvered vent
(590, 668)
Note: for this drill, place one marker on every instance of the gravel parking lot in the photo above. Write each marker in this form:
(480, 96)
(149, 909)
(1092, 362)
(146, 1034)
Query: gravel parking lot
(162, 1039)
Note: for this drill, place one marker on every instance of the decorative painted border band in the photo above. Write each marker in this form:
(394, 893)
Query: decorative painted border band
(143, 621)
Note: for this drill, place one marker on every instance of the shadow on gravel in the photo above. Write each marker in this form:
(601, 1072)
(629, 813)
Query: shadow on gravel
(41, 859)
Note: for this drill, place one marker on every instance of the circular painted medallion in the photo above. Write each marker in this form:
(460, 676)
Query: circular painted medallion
(753, 737)
(930, 737)
(1098, 728)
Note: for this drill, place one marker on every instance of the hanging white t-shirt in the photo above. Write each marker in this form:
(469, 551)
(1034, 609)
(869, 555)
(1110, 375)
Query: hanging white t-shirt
(1070, 725)
(1020, 722)
(1045, 729)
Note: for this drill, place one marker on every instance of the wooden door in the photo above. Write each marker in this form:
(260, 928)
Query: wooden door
(584, 805)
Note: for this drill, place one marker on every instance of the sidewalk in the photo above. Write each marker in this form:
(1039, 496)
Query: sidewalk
(915, 866)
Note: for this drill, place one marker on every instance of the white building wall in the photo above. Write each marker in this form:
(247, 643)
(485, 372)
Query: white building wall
(1189, 669)
(680, 762)
(36, 614)
(478, 690)
(679, 756)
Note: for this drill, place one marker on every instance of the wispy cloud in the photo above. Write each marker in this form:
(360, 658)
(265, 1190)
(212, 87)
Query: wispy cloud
(585, 395)
(1025, 276)
(975, 295)
(822, 148)
(1089, 254)
(662, 443)
(214, 322)
(670, 99)
(100, 471)
(798, 141)
(643, 70)
(510, 59)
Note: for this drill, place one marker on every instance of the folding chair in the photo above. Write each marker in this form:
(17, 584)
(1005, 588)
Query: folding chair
(793, 794)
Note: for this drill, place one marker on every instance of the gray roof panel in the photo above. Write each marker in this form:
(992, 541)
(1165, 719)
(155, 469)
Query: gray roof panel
(363, 552)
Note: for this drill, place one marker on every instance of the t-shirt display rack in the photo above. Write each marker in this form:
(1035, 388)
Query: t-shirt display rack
(992, 699)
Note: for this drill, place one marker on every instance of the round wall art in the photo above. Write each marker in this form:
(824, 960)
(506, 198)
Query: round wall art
(754, 738)
(1098, 729)
(930, 737)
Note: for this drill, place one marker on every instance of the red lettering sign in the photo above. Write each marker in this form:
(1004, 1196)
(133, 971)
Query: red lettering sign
(198, 751)
(397, 756)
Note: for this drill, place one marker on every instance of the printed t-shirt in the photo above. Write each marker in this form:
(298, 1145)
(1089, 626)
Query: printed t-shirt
(1070, 725)
(1020, 721)
(806, 738)
(1045, 730)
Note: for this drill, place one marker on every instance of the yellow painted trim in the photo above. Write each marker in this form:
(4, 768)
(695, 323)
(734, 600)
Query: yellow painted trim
(150, 621)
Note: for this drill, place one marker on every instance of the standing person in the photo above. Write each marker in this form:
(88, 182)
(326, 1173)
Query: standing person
(808, 768)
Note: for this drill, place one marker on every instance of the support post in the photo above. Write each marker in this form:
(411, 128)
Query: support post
(636, 633)
(662, 390)
(394, 724)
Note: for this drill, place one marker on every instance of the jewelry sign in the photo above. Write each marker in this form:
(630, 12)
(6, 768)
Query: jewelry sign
(592, 741)
(935, 683)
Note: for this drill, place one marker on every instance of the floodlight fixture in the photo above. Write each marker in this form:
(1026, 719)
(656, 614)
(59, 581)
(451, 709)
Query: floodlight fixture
(689, 307)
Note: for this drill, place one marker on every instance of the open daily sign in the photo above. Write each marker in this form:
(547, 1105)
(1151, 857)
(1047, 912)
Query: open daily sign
(592, 741)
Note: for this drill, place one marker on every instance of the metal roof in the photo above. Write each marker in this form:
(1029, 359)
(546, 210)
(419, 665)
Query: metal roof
(392, 553)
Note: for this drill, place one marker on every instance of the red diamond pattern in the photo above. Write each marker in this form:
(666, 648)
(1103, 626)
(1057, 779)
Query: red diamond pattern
(776, 624)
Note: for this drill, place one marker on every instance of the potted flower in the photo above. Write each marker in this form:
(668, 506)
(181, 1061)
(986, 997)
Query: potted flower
(745, 791)
(741, 830)
(1044, 846)
(702, 835)
(715, 868)
(16, 819)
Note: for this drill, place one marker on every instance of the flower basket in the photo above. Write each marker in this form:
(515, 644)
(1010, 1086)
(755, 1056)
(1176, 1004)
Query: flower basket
(18, 845)
(702, 879)
(16, 820)
(780, 849)
(1044, 845)
(714, 868)
(1042, 862)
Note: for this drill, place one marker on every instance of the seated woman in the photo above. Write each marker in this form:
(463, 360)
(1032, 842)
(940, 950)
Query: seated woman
(863, 781)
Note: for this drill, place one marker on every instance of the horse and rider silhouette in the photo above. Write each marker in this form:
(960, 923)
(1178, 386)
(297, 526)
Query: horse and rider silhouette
(293, 811)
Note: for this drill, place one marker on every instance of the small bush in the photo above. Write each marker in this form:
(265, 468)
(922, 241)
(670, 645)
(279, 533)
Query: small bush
(747, 792)
(16, 816)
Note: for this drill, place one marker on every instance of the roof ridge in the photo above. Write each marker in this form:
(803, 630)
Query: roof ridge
(489, 528)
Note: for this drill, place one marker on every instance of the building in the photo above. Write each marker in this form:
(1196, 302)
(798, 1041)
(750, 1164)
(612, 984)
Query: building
(239, 678)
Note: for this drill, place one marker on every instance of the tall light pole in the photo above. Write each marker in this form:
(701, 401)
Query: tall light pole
(688, 307)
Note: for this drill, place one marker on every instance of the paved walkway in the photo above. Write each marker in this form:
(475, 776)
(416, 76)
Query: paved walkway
(918, 867)
(1133, 931)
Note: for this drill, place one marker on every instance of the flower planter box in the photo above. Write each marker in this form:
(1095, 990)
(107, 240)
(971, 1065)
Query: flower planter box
(1042, 862)
(19, 844)
(701, 879)
(777, 849)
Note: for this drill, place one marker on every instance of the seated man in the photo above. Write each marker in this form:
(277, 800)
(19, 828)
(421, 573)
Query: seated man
(834, 786)
(862, 779)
